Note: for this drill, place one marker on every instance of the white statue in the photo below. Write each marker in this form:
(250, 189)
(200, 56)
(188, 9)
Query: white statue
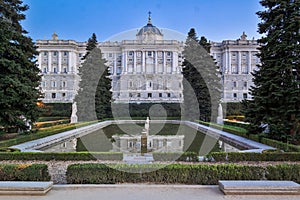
(146, 129)
(220, 115)
(74, 118)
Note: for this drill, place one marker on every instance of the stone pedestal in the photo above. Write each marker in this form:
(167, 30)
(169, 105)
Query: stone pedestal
(144, 148)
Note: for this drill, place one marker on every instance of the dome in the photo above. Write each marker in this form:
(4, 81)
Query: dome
(149, 29)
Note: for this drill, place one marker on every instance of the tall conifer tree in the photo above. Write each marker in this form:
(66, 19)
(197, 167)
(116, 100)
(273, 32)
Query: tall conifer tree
(201, 80)
(275, 107)
(94, 95)
(19, 77)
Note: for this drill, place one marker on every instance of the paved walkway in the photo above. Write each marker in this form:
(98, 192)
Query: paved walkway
(143, 192)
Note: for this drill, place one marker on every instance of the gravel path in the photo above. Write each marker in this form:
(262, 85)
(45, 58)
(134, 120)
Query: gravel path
(58, 169)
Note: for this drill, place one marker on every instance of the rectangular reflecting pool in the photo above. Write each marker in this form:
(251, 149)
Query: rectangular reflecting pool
(127, 138)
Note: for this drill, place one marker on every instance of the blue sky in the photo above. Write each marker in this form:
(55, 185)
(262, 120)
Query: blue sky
(217, 20)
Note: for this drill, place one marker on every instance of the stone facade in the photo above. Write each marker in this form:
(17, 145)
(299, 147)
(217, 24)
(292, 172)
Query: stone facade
(145, 70)
(237, 59)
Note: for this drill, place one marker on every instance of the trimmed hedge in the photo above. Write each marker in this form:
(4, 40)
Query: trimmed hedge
(185, 157)
(42, 133)
(280, 145)
(249, 156)
(45, 156)
(258, 138)
(24, 172)
(142, 109)
(158, 173)
(284, 172)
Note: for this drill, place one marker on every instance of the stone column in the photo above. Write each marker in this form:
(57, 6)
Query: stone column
(134, 62)
(229, 62)
(115, 65)
(156, 65)
(249, 61)
(174, 62)
(49, 69)
(124, 62)
(144, 62)
(225, 63)
(70, 64)
(59, 62)
(164, 63)
(239, 63)
(40, 62)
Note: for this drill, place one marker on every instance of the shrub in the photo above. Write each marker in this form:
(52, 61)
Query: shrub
(58, 109)
(157, 173)
(284, 172)
(24, 172)
(7, 149)
(240, 156)
(45, 156)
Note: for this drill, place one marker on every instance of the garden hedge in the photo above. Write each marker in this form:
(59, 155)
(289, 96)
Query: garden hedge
(249, 156)
(162, 174)
(46, 156)
(24, 172)
(117, 156)
(283, 172)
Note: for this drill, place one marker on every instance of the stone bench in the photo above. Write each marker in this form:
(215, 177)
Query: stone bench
(259, 187)
(24, 187)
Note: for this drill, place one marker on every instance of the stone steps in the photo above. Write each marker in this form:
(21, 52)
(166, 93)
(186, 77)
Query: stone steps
(259, 187)
(24, 187)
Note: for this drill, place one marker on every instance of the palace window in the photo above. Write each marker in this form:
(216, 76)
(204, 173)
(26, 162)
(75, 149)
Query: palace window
(45, 53)
(169, 53)
(169, 95)
(149, 53)
(149, 95)
(65, 53)
(234, 95)
(63, 95)
(53, 95)
(55, 53)
(54, 70)
(245, 95)
(234, 84)
(245, 84)
(45, 70)
(160, 95)
(65, 70)
(138, 95)
(130, 84)
(130, 53)
(53, 84)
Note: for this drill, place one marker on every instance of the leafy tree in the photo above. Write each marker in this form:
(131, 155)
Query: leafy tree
(19, 77)
(276, 92)
(94, 96)
(201, 84)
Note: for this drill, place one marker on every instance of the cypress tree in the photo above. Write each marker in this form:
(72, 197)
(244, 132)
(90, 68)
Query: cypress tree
(275, 107)
(201, 84)
(19, 77)
(94, 96)
(92, 43)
